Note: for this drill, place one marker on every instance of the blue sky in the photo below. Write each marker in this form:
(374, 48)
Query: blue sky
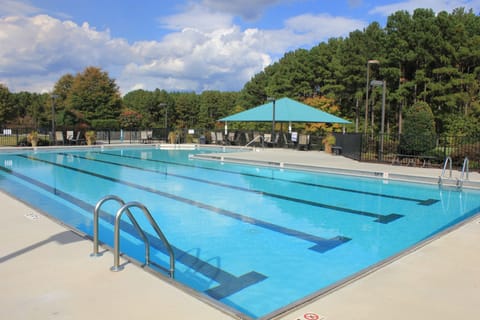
(191, 45)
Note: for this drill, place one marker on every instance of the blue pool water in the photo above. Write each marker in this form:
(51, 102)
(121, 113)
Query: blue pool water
(255, 239)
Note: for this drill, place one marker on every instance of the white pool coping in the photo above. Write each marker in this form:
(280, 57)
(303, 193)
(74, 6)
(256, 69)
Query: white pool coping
(47, 272)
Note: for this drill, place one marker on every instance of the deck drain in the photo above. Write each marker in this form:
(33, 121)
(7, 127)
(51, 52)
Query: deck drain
(32, 216)
(310, 316)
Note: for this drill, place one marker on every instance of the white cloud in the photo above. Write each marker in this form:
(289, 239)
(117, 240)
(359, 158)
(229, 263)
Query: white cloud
(224, 57)
(197, 17)
(44, 46)
(435, 5)
(248, 9)
(322, 26)
(15, 7)
(204, 50)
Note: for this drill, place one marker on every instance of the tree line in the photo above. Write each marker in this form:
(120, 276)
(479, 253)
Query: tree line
(423, 57)
(427, 57)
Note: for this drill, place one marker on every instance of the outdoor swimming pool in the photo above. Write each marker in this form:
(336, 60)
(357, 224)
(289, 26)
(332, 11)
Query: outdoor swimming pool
(256, 239)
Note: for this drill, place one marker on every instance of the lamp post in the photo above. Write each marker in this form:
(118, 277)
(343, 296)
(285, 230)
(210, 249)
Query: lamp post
(369, 62)
(164, 105)
(382, 127)
(54, 96)
(273, 117)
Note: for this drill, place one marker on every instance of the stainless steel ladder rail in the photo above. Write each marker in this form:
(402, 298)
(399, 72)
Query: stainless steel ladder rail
(125, 208)
(448, 160)
(116, 246)
(464, 174)
(96, 214)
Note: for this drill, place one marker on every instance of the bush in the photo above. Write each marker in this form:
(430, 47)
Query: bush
(106, 124)
(25, 143)
(418, 134)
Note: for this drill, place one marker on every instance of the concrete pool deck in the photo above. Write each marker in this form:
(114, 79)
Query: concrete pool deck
(46, 271)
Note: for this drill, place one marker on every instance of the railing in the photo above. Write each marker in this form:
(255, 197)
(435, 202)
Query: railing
(448, 160)
(464, 175)
(116, 250)
(260, 138)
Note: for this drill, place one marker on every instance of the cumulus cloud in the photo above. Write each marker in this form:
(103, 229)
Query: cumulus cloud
(204, 50)
(435, 5)
(224, 57)
(248, 9)
(197, 17)
(15, 7)
(45, 46)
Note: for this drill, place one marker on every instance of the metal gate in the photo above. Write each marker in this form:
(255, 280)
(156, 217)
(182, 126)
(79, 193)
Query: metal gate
(351, 144)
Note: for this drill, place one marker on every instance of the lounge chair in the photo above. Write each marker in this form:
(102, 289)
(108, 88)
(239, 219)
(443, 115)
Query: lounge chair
(146, 136)
(231, 138)
(78, 139)
(303, 142)
(59, 139)
(269, 141)
(220, 138)
(69, 136)
(213, 137)
(267, 138)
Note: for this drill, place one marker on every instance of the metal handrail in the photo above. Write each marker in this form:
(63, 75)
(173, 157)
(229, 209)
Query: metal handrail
(464, 171)
(447, 161)
(125, 208)
(116, 245)
(96, 213)
(253, 140)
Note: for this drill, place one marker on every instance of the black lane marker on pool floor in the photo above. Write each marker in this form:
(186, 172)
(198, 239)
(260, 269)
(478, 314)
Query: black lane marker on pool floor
(321, 244)
(227, 283)
(380, 218)
(422, 202)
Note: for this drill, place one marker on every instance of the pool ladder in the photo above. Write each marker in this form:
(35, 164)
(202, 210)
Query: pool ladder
(125, 208)
(463, 175)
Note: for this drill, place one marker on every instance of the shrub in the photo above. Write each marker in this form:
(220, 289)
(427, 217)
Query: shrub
(418, 135)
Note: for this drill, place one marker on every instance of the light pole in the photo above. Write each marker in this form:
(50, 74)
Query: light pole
(164, 105)
(369, 62)
(273, 117)
(54, 96)
(382, 127)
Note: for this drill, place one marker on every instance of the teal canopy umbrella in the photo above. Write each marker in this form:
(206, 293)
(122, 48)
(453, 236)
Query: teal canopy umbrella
(284, 110)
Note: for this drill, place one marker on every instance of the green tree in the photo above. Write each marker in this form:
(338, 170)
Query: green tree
(419, 133)
(95, 95)
(185, 110)
(6, 108)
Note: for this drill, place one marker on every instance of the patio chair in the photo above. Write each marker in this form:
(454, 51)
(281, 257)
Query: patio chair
(78, 139)
(220, 138)
(146, 136)
(303, 142)
(231, 138)
(59, 138)
(69, 136)
(213, 137)
(247, 138)
(267, 138)
(271, 143)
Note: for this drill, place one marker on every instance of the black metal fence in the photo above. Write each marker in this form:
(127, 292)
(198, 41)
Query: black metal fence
(395, 149)
(419, 150)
